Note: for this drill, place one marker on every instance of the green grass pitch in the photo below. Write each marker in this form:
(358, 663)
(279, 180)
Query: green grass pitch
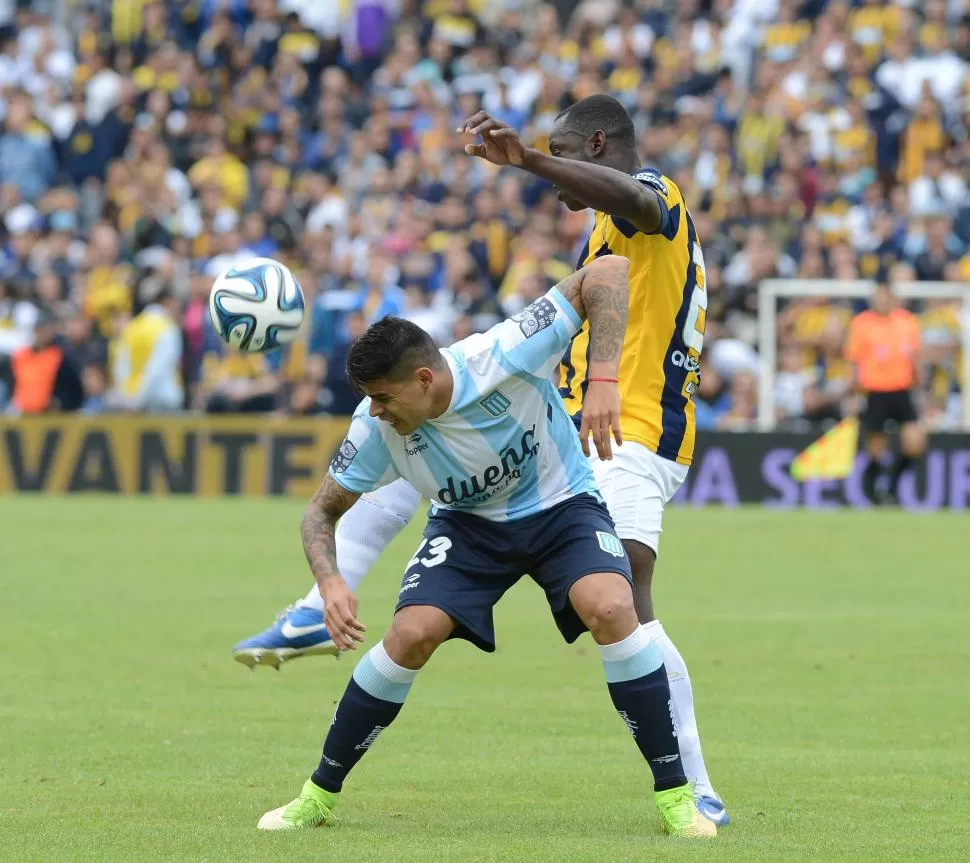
(829, 653)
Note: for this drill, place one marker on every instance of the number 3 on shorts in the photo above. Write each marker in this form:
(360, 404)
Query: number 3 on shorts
(439, 548)
(693, 334)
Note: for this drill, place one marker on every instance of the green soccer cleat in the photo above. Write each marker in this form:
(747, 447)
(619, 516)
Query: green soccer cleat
(679, 815)
(313, 808)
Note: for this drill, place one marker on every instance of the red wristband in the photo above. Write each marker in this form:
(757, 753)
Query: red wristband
(603, 381)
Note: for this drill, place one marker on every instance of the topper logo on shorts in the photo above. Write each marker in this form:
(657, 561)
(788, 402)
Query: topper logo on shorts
(343, 457)
(536, 317)
(495, 477)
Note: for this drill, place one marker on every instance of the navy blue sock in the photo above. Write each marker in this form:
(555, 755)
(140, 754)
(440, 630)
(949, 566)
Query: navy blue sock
(372, 700)
(638, 685)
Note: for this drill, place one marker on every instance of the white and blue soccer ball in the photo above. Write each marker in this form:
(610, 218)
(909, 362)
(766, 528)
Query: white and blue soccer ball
(257, 306)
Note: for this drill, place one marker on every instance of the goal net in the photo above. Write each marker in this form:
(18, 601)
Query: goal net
(944, 309)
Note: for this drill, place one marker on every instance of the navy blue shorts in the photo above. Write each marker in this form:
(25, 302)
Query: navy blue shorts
(465, 564)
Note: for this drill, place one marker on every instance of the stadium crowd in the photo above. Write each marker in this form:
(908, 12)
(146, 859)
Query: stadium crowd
(148, 145)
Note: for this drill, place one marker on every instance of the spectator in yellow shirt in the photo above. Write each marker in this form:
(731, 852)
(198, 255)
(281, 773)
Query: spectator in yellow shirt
(219, 166)
(107, 292)
(758, 132)
(146, 360)
(924, 134)
(783, 39)
(874, 25)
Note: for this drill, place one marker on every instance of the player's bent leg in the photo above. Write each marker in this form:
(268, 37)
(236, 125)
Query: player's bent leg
(370, 703)
(604, 602)
(362, 536)
(637, 681)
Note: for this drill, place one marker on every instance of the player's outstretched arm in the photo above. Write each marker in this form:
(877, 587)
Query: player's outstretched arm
(600, 293)
(327, 505)
(602, 188)
(597, 186)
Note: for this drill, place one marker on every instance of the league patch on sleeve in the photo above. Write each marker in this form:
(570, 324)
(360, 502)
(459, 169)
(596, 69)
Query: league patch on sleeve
(536, 317)
(653, 179)
(343, 457)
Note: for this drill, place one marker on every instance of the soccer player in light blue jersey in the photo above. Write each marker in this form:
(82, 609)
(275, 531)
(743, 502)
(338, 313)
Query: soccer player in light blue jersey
(480, 430)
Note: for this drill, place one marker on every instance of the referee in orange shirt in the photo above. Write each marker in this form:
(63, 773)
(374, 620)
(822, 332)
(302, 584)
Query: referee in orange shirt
(883, 347)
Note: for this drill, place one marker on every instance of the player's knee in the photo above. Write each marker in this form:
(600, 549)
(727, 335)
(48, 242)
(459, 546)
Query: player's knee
(611, 618)
(416, 633)
(605, 603)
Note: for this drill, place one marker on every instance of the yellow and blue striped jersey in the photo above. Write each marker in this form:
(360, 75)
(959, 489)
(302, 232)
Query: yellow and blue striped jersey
(660, 365)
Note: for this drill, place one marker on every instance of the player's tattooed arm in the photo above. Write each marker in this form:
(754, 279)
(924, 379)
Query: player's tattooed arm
(318, 530)
(330, 501)
(600, 293)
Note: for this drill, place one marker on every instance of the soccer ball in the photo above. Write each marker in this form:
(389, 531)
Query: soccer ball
(257, 306)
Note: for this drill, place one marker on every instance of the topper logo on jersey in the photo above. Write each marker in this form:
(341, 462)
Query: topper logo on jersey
(495, 477)
(685, 361)
(415, 444)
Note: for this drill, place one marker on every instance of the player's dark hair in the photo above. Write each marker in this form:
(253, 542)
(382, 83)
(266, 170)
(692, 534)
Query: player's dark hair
(390, 349)
(599, 113)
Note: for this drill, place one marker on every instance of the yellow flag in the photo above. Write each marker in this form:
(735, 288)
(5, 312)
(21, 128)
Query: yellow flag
(832, 456)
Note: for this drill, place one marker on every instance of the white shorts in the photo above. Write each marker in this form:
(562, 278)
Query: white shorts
(636, 484)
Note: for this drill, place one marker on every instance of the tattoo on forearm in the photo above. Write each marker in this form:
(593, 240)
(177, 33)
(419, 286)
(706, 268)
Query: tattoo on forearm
(319, 527)
(606, 297)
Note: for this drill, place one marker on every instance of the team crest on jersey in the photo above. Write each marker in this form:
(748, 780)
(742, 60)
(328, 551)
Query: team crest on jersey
(496, 403)
(610, 544)
(536, 317)
(651, 178)
(343, 457)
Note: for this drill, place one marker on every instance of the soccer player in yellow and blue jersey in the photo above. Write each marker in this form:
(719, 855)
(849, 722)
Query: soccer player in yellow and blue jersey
(641, 215)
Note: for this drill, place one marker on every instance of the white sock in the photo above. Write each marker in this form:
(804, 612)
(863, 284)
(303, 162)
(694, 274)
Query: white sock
(682, 702)
(366, 529)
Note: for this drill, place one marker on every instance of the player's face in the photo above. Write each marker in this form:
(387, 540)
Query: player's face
(403, 405)
(568, 145)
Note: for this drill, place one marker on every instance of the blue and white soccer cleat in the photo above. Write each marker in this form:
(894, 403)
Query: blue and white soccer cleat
(298, 631)
(713, 810)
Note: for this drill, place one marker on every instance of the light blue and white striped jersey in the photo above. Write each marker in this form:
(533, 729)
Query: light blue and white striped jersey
(505, 448)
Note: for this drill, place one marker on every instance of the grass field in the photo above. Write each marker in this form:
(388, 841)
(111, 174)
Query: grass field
(829, 654)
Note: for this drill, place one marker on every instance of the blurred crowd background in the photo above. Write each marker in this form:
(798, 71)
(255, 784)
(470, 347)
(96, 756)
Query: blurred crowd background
(147, 145)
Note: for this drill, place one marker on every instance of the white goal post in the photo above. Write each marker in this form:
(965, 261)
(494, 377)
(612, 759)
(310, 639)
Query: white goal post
(771, 290)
